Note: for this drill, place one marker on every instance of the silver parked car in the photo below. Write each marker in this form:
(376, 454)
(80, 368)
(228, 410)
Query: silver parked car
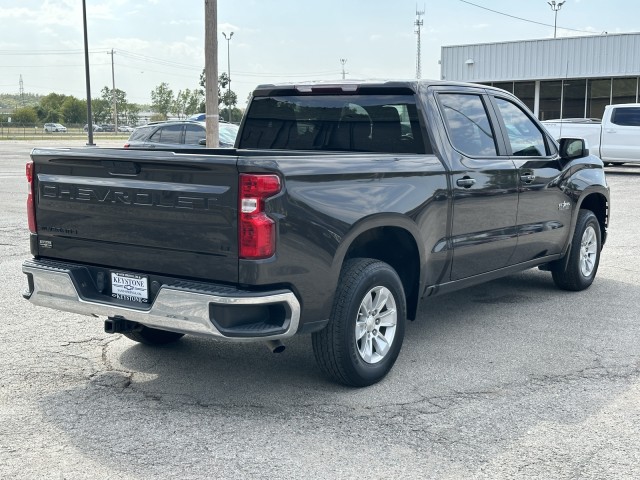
(179, 134)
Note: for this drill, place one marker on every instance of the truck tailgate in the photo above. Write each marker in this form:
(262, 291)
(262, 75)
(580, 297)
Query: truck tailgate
(157, 212)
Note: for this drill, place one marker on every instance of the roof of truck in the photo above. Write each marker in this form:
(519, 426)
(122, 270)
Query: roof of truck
(352, 86)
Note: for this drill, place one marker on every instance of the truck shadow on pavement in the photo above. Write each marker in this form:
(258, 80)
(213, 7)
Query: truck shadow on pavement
(474, 361)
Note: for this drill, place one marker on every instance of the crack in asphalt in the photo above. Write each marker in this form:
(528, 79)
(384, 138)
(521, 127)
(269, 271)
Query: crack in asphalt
(405, 415)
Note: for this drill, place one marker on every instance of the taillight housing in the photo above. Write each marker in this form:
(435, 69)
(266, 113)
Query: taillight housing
(31, 207)
(256, 230)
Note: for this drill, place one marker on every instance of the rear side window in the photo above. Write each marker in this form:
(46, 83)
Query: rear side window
(468, 124)
(139, 134)
(626, 117)
(361, 123)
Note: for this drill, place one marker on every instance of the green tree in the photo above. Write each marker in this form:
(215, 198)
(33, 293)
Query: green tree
(230, 99)
(49, 108)
(162, 99)
(193, 103)
(52, 102)
(107, 94)
(101, 110)
(122, 105)
(180, 103)
(25, 116)
(132, 113)
(14, 100)
(223, 81)
(74, 110)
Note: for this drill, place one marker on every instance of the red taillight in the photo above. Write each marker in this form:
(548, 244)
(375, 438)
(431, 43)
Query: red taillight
(31, 208)
(256, 231)
(127, 145)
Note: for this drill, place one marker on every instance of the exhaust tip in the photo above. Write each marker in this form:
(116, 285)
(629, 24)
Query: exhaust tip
(276, 346)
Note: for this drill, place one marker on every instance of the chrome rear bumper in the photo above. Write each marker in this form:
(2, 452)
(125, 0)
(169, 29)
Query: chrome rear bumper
(175, 308)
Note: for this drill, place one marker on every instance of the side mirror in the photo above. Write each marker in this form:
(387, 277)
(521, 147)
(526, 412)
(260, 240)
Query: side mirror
(203, 142)
(571, 148)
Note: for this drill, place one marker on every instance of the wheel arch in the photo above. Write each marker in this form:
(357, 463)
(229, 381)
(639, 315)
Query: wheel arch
(597, 202)
(393, 240)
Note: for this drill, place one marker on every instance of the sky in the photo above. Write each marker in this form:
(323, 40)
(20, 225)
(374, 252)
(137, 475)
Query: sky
(273, 41)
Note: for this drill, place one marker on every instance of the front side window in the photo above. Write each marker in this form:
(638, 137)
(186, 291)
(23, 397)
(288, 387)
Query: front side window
(194, 134)
(468, 124)
(525, 138)
(169, 134)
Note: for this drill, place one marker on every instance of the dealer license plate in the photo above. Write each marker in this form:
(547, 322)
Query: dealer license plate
(130, 287)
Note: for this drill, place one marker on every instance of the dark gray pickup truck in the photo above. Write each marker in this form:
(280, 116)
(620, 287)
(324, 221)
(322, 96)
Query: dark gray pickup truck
(340, 207)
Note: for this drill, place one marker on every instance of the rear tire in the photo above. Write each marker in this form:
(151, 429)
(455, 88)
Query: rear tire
(366, 329)
(153, 336)
(579, 270)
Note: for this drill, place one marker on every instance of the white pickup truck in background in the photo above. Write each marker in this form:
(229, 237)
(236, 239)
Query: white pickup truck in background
(616, 139)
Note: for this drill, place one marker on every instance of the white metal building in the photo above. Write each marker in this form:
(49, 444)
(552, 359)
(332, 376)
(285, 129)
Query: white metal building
(572, 77)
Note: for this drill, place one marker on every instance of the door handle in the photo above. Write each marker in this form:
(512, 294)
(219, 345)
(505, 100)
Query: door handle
(610, 130)
(527, 178)
(466, 182)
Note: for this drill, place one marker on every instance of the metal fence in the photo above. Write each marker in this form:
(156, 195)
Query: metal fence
(17, 131)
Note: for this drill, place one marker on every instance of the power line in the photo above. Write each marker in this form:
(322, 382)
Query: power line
(45, 52)
(51, 65)
(525, 19)
(146, 58)
(161, 61)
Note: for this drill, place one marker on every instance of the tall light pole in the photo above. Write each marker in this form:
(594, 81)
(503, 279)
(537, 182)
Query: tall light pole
(87, 78)
(343, 61)
(555, 7)
(228, 39)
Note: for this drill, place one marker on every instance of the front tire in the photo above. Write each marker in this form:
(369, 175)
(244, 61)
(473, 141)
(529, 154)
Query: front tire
(579, 270)
(366, 329)
(153, 336)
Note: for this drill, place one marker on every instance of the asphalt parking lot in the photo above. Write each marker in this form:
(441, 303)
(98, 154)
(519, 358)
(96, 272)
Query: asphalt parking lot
(512, 379)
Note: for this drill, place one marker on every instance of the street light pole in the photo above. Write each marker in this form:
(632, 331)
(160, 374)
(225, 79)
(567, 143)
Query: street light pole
(343, 61)
(228, 39)
(87, 78)
(555, 7)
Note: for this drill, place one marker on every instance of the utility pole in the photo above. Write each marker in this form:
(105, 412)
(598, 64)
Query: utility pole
(228, 39)
(87, 78)
(555, 7)
(343, 61)
(113, 93)
(211, 72)
(418, 24)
